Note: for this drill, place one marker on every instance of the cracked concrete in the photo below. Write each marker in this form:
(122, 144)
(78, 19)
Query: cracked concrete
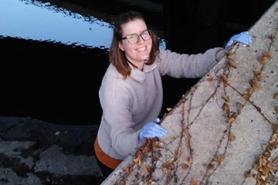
(224, 130)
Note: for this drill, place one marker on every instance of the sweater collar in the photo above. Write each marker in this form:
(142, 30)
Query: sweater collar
(139, 75)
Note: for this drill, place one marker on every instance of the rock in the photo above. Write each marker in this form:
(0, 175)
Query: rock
(32, 152)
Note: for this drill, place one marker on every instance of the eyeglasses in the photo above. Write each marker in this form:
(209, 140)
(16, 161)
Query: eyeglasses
(134, 38)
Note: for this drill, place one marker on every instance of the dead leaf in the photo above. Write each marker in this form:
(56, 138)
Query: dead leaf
(247, 173)
(168, 165)
(209, 78)
(247, 94)
(220, 158)
(265, 57)
(263, 177)
(194, 181)
(128, 169)
(137, 160)
(211, 165)
(264, 146)
(189, 160)
(275, 96)
(231, 120)
(149, 181)
(226, 99)
(231, 55)
(230, 52)
(232, 137)
(258, 74)
(146, 169)
(232, 63)
(184, 166)
(255, 84)
(273, 140)
(225, 80)
(232, 117)
(226, 107)
(262, 161)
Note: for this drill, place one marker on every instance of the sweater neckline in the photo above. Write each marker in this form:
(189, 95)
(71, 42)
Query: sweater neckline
(139, 75)
(133, 65)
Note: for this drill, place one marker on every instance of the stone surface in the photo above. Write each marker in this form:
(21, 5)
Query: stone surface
(56, 162)
(9, 177)
(34, 152)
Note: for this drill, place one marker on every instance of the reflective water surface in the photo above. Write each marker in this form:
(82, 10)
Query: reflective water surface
(35, 20)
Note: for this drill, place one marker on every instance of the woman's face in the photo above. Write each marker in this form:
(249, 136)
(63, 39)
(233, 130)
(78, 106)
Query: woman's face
(136, 51)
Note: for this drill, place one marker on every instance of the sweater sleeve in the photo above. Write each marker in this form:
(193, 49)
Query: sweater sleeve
(184, 65)
(115, 100)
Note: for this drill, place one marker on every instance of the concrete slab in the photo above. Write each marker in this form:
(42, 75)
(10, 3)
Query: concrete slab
(223, 131)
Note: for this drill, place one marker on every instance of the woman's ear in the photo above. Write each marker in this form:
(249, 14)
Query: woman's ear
(121, 46)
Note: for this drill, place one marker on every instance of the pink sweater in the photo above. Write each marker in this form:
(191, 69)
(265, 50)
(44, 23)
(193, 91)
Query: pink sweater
(128, 104)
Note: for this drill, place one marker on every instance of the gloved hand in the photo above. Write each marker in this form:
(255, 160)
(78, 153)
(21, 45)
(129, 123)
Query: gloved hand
(243, 38)
(152, 129)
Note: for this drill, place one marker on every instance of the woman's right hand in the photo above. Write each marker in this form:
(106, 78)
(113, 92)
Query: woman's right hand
(151, 130)
(242, 37)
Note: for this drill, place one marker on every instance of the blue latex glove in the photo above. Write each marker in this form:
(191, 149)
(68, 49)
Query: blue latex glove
(152, 129)
(243, 38)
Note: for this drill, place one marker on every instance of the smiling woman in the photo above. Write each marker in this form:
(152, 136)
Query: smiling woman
(131, 90)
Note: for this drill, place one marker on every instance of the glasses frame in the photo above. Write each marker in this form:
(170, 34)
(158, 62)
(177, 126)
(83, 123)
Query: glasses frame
(130, 36)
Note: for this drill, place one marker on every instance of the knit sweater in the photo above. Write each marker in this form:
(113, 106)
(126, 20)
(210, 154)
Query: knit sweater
(128, 104)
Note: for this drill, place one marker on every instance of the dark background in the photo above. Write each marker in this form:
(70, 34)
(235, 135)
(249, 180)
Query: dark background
(59, 84)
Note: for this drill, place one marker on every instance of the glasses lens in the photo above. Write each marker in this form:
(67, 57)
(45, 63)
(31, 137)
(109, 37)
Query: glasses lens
(132, 38)
(146, 35)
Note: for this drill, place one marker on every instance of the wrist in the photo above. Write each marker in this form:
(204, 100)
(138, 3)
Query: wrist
(140, 137)
(220, 54)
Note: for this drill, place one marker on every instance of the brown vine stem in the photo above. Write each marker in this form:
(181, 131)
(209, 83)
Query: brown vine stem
(186, 130)
(203, 106)
(254, 105)
(213, 163)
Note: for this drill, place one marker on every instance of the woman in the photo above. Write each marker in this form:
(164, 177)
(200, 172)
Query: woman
(131, 90)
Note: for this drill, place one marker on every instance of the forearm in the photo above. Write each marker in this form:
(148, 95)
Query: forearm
(189, 66)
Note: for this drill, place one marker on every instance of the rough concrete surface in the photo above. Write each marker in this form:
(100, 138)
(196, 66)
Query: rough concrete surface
(224, 130)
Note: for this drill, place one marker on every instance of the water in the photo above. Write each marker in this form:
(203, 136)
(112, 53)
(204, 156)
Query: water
(55, 59)
(39, 21)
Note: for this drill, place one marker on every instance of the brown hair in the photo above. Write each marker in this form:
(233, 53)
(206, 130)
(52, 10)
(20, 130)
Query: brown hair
(117, 56)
